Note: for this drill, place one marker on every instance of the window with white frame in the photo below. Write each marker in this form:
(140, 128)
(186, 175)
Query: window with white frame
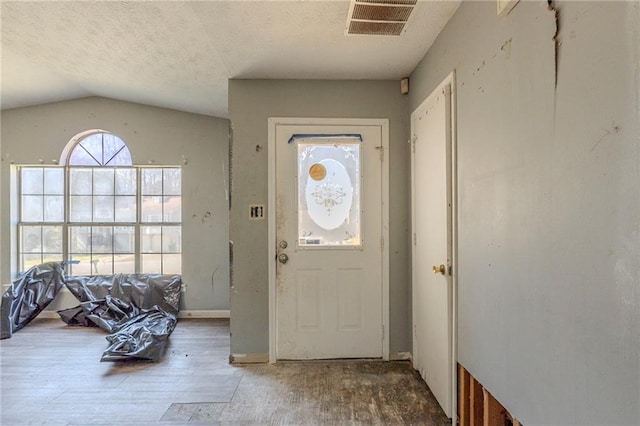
(101, 211)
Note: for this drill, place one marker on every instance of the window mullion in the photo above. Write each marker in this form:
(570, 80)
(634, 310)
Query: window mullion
(138, 232)
(67, 215)
(19, 238)
(93, 195)
(43, 208)
(113, 228)
(162, 222)
(42, 221)
(92, 224)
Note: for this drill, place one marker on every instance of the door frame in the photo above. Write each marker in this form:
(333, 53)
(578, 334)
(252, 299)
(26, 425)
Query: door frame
(453, 227)
(273, 123)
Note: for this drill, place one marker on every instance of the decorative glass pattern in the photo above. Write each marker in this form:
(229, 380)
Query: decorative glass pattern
(329, 192)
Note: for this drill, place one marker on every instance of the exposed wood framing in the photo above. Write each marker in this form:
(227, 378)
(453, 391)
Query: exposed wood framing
(476, 400)
(476, 405)
(463, 396)
(494, 413)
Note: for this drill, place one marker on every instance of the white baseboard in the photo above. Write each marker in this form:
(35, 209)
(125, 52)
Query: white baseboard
(257, 358)
(204, 314)
(400, 356)
(182, 314)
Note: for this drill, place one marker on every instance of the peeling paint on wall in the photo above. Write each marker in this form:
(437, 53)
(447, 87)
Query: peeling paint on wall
(230, 160)
(555, 38)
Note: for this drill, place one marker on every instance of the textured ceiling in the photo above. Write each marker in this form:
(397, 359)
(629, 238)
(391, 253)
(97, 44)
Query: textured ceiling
(180, 54)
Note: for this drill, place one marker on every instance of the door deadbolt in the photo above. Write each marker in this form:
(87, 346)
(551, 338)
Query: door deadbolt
(283, 258)
(283, 244)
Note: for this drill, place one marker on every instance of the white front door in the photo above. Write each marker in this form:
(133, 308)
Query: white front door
(432, 244)
(328, 241)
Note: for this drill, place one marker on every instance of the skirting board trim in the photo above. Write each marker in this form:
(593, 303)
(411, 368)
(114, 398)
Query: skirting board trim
(260, 358)
(400, 356)
(205, 314)
(263, 358)
(181, 314)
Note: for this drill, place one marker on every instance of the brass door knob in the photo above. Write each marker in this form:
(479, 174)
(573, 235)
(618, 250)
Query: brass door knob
(439, 269)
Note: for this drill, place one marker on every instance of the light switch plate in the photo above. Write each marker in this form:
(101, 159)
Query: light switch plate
(256, 211)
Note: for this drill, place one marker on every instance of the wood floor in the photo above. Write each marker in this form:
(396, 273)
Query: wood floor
(50, 374)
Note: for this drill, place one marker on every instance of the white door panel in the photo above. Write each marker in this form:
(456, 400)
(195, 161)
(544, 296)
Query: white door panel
(431, 210)
(329, 226)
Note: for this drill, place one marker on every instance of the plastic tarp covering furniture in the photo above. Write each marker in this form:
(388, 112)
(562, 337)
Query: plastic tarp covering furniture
(140, 311)
(29, 295)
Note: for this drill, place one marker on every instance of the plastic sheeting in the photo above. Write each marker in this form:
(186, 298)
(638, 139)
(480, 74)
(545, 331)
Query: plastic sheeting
(29, 295)
(138, 310)
(143, 336)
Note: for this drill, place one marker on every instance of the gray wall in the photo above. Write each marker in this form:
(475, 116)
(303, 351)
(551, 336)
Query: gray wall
(154, 136)
(251, 102)
(549, 205)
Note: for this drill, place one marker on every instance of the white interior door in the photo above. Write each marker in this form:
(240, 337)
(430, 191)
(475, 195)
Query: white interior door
(432, 249)
(329, 247)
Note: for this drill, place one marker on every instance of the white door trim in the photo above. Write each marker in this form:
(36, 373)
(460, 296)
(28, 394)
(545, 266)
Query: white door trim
(451, 80)
(273, 122)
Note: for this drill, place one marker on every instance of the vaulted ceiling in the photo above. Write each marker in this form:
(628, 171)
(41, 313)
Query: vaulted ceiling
(181, 54)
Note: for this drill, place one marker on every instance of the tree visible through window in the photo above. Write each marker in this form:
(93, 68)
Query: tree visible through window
(100, 210)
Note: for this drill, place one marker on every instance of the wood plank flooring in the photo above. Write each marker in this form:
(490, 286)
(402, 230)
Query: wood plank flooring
(50, 374)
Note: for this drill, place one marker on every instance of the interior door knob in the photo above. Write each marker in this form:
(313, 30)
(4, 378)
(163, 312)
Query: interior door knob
(283, 258)
(439, 269)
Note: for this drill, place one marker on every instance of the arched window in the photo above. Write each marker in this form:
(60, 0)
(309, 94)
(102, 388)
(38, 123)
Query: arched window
(96, 148)
(100, 210)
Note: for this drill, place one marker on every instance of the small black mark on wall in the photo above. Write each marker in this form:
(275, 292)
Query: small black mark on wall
(606, 132)
(506, 49)
(205, 217)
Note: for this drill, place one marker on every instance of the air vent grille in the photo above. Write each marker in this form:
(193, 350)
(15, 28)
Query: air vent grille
(381, 13)
(378, 17)
(387, 2)
(375, 28)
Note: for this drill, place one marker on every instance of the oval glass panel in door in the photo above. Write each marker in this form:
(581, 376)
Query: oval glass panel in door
(329, 192)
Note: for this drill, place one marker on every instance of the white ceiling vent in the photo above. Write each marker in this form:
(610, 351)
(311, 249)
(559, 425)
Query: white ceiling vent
(378, 17)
